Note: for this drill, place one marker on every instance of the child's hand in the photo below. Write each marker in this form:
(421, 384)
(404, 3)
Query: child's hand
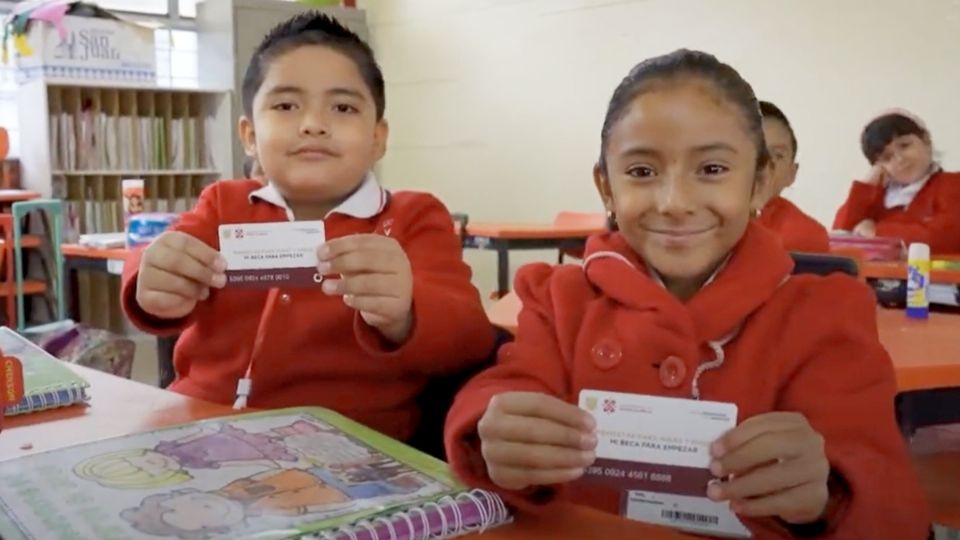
(376, 280)
(877, 176)
(530, 439)
(176, 271)
(866, 228)
(779, 468)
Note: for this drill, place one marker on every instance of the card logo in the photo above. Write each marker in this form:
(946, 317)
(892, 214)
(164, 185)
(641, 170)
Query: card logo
(609, 406)
(235, 233)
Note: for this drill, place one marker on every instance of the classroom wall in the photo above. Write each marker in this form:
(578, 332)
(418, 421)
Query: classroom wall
(496, 105)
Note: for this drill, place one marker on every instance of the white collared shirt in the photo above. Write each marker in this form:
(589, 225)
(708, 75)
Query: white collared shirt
(365, 202)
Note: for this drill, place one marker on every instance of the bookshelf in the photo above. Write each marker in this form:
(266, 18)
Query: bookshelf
(80, 140)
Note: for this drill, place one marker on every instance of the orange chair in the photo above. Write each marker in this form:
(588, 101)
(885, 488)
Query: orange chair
(8, 287)
(578, 219)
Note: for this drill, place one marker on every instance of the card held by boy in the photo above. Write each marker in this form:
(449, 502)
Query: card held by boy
(280, 254)
(656, 451)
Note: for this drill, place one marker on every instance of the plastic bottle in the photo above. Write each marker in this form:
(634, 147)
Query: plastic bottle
(918, 281)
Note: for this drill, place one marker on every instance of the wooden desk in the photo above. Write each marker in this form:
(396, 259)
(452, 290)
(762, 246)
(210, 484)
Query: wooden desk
(504, 237)
(119, 407)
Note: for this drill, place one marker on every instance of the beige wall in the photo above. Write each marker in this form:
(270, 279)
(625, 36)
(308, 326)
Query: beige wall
(496, 105)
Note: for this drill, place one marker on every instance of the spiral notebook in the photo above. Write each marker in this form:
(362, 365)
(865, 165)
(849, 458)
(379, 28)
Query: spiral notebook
(291, 473)
(48, 382)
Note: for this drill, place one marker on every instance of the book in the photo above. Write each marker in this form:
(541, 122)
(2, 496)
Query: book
(104, 240)
(870, 249)
(48, 382)
(279, 474)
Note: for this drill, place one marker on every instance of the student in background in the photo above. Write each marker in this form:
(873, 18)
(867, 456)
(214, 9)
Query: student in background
(797, 230)
(692, 299)
(401, 308)
(906, 194)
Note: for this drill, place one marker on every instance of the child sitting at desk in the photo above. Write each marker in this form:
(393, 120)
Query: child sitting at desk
(690, 299)
(906, 194)
(797, 230)
(403, 308)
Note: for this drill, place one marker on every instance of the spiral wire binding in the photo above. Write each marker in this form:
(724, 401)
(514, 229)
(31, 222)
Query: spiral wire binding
(489, 507)
(50, 398)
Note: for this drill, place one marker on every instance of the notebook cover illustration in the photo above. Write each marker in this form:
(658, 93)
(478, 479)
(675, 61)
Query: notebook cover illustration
(270, 475)
(48, 381)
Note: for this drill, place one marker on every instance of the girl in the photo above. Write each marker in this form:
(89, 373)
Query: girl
(690, 299)
(906, 194)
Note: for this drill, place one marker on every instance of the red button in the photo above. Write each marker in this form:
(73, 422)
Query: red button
(606, 354)
(672, 372)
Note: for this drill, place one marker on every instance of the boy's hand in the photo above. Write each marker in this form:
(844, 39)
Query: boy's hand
(531, 439)
(779, 468)
(176, 271)
(376, 280)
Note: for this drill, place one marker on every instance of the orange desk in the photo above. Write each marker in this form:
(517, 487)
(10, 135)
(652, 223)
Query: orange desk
(83, 252)
(898, 270)
(504, 237)
(77, 257)
(119, 407)
(926, 354)
(10, 196)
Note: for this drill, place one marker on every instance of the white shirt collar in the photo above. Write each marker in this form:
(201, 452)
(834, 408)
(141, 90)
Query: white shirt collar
(899, 195)
(365, 202)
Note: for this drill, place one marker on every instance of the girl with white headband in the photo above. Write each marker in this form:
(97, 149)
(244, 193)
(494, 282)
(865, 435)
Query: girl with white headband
(906, 195)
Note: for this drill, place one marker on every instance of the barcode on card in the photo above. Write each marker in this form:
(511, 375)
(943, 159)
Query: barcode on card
(690, 517)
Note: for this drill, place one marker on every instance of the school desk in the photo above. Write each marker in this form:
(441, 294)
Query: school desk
(898, 270)
(926, 359)
(120, 406)
(504, 237)
(77, 257)
(10, 196)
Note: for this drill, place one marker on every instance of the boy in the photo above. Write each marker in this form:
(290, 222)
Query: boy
(403, 308)
(797, 230)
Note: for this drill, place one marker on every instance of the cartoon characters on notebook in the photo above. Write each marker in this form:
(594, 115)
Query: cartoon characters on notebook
(166, 464)
(194, 514)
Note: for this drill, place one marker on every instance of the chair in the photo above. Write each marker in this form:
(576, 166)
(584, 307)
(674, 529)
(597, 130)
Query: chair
(577, 219)
(165, 370)
(939, 475)
(437, 398)
(824, 265)
(52, 217)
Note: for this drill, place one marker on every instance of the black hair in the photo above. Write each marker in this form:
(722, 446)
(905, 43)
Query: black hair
(672, 67)
(769, 110)
(312, 28)
(883, 130)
